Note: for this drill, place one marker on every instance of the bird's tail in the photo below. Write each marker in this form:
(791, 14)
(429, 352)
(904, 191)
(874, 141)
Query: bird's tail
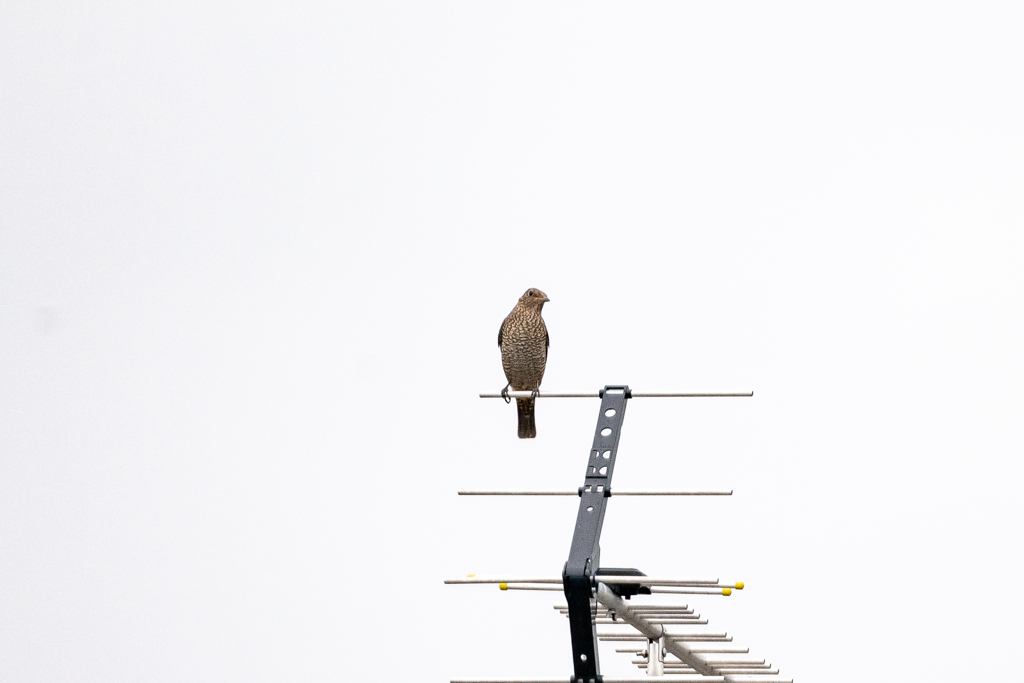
(527, 427)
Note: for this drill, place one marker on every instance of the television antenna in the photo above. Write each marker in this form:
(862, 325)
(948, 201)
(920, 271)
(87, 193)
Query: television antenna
(667, 639)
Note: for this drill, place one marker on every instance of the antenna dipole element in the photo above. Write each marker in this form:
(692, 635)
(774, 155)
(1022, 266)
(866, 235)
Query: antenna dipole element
(639, 394)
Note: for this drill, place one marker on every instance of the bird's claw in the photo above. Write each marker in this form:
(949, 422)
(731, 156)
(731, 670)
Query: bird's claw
(504, 395)
(536, 393)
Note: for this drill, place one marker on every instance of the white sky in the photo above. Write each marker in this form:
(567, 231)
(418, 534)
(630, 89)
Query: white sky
(252, 266)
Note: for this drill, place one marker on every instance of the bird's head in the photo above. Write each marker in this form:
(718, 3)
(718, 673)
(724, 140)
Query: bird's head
(534, 297)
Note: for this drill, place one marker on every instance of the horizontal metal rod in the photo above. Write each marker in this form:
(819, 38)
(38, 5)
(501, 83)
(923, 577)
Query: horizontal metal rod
(656, 581)
(531, 394)
(643, 394)
(644, 580)
(518, 493)
(639, 608)
(719, 650)
(607, 621)
(717, 664)
(612, 494)
(751, 664)
(660, 618)
(672, 493)
(658, 609)
(671, 667)
(687, 618)
(684, 636)
(653, 615)
(712, 590)
(694, 639)
(635, 394)
(505, 586)
(689, 670)
(719, 679)
(485, 579)
(703, 679)
(725, 670)
(646, 609)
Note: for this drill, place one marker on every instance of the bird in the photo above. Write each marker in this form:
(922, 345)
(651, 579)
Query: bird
(523, 339)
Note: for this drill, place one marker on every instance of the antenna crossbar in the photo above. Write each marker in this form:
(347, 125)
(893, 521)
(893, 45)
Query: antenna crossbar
(604, 578)
(702, 679)
(609, 493)
(635, 394)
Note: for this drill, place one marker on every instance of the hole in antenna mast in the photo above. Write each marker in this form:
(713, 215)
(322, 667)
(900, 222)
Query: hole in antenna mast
(603, 470)
(600, 489)
(607, 455)
(588, 488)
(593, 469)
(609, 412)
(583, 658)
(590, 509)
(606, 431)
(595, 454)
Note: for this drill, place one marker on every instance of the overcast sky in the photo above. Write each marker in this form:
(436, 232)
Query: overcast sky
(253, 260)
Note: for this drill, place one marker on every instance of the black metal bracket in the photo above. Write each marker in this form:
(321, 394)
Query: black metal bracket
(585, 553)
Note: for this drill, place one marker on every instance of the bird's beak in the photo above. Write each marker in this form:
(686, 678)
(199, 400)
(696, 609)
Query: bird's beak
(545, 300)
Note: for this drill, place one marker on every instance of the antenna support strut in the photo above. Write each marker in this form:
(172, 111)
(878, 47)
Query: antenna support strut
(580, 572)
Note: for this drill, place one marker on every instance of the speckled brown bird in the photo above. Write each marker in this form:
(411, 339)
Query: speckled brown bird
(524, 343)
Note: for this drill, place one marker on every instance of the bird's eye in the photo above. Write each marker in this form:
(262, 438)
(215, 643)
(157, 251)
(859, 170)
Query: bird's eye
(529, 293)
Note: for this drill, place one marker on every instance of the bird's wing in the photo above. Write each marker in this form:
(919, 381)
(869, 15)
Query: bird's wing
(547, 339)
(501, 331)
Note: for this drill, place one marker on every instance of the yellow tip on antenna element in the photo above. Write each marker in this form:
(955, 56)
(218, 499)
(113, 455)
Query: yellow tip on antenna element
(470, 576)
(503, 586)
(739, 585)
(726, 591)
